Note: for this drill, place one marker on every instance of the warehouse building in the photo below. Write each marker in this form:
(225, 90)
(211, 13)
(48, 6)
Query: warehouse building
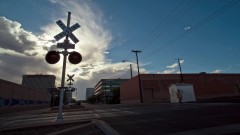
(155, 87)
(12, 94)
(39, 81)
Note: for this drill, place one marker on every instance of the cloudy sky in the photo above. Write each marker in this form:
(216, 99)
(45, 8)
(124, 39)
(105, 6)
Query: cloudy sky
(204, 34)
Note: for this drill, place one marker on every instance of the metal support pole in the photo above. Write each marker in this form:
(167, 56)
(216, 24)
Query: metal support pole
(76, 93)
(181, 75)
(105, 95)
(131, 70)
(65, 53)
(60, 118)
(139, 78)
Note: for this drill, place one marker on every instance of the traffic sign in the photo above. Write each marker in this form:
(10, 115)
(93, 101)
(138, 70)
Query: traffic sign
(74, 27)
(61, 24)
(70, 78)
(67, 31)
(64, 45)
(70, 83)
(74, 39)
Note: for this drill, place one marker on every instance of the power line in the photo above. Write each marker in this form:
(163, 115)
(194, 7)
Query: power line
(156, 32)
(214, 15)
(196, 26)
(171, 20)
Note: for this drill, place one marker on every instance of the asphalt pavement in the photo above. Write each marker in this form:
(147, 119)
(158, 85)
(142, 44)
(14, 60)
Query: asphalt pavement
(138, 119)
(182, 119)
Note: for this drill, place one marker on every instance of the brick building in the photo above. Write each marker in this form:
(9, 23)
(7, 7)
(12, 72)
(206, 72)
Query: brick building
(155, 87)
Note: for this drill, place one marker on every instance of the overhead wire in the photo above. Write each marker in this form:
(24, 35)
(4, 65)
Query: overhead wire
(195, 27)
(155, 32)
(171, 20)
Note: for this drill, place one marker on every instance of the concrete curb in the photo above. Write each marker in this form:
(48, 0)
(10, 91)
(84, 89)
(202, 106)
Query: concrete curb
(104, 128)
(69, 129)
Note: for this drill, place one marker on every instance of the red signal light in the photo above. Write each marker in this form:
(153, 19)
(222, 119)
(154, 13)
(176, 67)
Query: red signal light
(52, 57)
(75, 57)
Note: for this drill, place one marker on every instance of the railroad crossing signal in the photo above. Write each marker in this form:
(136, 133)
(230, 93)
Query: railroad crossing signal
(75, 57)
(66, 45)
(70, 78)
(67, 31)
(70, 83)
(52, 57)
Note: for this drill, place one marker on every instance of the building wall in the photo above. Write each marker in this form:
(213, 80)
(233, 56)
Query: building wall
(155, 86)
(12, 94)
(89, 92)
(129, 91)
(104, 87)
(39, 81)
(107, 84)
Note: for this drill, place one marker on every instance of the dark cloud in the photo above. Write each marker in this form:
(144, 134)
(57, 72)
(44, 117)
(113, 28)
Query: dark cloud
(12, 67)
(53, 47)
(13, 37)
(45, 48)
(31, 54)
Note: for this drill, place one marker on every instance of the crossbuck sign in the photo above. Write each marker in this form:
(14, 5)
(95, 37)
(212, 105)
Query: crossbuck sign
(67, 31)
(70, 78)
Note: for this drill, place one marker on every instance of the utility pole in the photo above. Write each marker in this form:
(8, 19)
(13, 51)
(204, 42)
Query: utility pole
(181, 75)
(131, 70)
(139, 79)
(130, 67)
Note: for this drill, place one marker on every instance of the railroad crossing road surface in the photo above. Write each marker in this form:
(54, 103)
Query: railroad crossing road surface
(44, 117)
(143, 119)
(182, 119)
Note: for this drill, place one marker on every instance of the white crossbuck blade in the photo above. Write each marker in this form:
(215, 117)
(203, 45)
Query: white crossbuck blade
(67, 31)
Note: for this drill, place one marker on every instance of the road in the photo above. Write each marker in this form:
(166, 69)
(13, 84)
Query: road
(144, 119)
(45, 117)
(192, 118)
